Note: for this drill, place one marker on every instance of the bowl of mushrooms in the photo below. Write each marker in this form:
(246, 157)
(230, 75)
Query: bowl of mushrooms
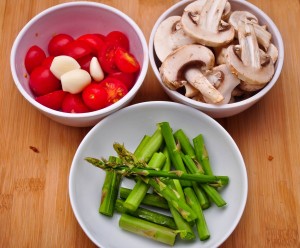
(218, 56)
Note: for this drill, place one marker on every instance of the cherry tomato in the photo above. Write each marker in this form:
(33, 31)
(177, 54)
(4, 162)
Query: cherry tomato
(126, 78)
(118, 38)
(115, 89)
(42, 81)
(57, 44)
(101, 36)
(94, 41)
(52, 100)
(73, 103)
(107, 58)
(34, 57)
(48, 61)
(77, 49)
(85, 61)
(95, 96)
(125, 61)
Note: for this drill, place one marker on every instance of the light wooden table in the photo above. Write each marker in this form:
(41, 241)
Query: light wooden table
(34, 203)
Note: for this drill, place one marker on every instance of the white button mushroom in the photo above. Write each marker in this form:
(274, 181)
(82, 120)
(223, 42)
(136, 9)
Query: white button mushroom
(62, 64)
(202, 20)
(75, 81)
(169, 36)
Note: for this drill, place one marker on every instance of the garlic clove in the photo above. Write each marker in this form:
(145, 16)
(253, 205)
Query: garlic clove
(96, 70)
(75, 81)
(62, 64)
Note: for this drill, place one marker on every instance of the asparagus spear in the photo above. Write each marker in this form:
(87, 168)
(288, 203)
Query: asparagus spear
(172, 149)
(185, 144)
(193, 202)
(186, 231)
(211, 191)
(186, 212)
(149, 199)
(110, 191)
(146, 172)
(201, 154)
(148, 229)
(146, 214)
(146, 151)
(140, 188)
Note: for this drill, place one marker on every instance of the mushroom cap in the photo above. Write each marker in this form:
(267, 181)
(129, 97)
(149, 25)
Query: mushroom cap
(173, 67)
(169, 36)
(249, 74)
(202, 20)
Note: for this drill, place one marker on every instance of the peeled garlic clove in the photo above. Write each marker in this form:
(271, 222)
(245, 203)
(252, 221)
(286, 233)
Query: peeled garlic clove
(62, 64)
(96, 70)
(75, 81)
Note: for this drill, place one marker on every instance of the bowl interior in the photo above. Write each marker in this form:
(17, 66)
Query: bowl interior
(75, 19)
(125, 126)
(232, 108)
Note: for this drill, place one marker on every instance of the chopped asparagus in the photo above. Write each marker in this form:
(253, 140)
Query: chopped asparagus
(146, 214)
(148, 229)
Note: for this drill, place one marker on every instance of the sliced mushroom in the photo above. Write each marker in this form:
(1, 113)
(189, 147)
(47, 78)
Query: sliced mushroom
(202, 20)
(263, 35)
(221, 52)
(187, 64)
(170, 36)
(227, 82)
(273, 52)
(190, 91)
(246, 60)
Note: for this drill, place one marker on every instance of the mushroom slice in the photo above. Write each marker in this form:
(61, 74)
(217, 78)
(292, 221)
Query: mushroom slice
(169, 36)
(250, 87)
(227, 82)
(273, 52)
(190, 91)
(174, 66)
(187, 64)
(195, 77)
(245, 60)
(204, 23)
(263, 35)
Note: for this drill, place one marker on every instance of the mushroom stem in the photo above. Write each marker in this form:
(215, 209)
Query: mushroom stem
(200, 82)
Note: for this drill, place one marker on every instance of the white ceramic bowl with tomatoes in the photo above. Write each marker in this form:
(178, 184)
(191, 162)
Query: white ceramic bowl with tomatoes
(79, 32)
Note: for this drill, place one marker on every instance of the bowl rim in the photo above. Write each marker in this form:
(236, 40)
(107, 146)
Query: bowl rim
(101, 112)
(208, 106)
(71, 182)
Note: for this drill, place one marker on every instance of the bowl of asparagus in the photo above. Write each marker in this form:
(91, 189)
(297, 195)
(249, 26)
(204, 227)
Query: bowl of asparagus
(145, 176)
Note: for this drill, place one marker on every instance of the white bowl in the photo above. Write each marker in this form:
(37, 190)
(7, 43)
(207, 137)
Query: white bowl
(75, 19)
(220, 111)
(128, 126)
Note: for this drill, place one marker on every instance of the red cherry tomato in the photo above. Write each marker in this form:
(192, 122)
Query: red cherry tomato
(85, 61)
(115, 89)
(48, 61)
(118, 38)
(34, 57)
(77, 49)
(52, 100)
(95, 96)
(101, 36)
(107, 58)
(126, 78)
(73, 103)
(125, 61)
(57, 44)
(94, 41)
(42, 81)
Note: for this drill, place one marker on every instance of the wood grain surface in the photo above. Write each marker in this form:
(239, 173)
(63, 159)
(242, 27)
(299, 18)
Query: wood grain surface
(36, 153)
